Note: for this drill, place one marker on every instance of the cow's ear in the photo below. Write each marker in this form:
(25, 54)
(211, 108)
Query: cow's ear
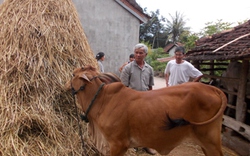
(84, 77)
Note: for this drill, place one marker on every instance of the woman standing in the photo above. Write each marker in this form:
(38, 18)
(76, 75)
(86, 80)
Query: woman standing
(100, 57)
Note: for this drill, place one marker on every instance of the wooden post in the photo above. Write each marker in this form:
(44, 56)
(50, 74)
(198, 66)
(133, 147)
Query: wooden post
(196, 64)
(241, 106)
(212, 71)
(212, 67)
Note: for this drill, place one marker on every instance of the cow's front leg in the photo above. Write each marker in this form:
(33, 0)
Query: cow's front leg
(118, 149)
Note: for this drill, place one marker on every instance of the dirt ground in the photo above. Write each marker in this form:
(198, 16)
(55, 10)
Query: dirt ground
(185, 149)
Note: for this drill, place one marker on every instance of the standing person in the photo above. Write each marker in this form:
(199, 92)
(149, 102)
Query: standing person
(131, 58)
(139, 75)
(100, 57)
(179, 71)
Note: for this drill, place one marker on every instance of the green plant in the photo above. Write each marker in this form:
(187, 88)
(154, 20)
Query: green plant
(152, 57)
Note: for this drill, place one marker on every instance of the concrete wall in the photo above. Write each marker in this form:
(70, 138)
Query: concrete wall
(109, 28)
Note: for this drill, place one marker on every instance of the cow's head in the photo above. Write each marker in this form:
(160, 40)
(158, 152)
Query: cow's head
(81, 76)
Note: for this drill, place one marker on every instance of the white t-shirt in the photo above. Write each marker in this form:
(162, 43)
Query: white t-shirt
(180, 73)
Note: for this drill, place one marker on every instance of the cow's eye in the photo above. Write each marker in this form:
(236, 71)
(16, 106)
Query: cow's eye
(73, 75)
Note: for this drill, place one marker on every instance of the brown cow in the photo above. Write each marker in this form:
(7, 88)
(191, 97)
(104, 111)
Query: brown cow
(160, 119)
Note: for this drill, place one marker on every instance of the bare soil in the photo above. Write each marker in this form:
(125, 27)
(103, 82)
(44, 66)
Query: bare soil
(185, 149)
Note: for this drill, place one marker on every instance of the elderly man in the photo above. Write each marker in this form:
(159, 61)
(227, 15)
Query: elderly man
(139, 75)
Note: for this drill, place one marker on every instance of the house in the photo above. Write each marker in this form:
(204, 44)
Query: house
(170, 48)
(111, 26)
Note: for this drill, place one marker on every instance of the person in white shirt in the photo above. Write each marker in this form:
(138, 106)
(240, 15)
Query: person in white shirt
(179, 71)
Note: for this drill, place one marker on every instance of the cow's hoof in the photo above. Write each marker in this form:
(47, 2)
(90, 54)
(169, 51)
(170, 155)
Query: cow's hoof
(149, 151)
(136, 149)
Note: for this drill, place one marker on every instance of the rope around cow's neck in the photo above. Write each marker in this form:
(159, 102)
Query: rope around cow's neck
(85, 117)
(79, 127)
(74, 92)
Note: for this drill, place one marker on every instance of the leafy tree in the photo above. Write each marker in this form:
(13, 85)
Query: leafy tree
(154, 30)
(215, 27)
(152, 57)
(241, 22)
(188, 39)
(176, 27)
(159, 31)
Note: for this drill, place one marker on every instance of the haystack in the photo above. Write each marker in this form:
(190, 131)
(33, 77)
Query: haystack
(41, 42)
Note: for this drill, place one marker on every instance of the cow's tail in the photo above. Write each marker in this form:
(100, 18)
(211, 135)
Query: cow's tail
(220, 111)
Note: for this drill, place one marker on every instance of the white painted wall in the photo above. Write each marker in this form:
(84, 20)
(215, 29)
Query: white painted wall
(172, 50)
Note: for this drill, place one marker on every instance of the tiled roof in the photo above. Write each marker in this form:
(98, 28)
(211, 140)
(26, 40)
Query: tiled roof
(168, 47)
(230, 44)
(134, 9)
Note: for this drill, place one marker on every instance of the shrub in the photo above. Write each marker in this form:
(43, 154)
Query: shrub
(158, 66)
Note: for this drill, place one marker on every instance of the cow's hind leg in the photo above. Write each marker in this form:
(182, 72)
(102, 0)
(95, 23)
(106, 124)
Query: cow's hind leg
(209, 138)
(212, 150)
